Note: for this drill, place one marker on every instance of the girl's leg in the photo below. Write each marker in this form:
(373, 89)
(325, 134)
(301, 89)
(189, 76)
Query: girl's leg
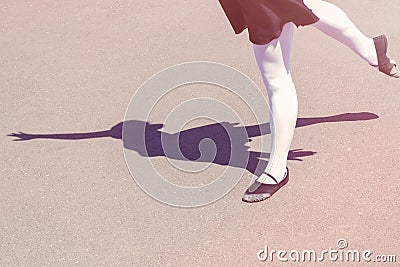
(335, 23)
(273, 60)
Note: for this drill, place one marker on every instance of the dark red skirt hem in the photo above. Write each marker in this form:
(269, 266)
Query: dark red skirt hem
(264, 19)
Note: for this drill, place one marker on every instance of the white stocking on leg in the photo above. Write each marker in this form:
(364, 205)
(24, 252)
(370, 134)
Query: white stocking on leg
(335, 23)
(273, 60)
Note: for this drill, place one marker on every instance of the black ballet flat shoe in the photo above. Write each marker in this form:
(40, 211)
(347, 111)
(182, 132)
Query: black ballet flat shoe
(258, 191)
(385, 65)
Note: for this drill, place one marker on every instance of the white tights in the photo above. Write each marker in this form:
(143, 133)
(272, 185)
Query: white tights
(273, 60)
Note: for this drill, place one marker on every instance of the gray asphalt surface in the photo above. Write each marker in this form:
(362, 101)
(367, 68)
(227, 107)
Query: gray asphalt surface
(72, 67)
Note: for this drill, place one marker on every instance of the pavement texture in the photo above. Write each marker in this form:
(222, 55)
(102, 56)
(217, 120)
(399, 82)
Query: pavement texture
(71, 67)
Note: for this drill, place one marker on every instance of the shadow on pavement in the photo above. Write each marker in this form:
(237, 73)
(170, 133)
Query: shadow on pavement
(217, 143)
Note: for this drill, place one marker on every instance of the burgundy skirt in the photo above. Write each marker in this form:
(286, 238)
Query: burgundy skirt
(264, 19)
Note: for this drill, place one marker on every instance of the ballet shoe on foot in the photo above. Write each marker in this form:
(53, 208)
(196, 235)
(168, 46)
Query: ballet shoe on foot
(258, 191)
(385, 64)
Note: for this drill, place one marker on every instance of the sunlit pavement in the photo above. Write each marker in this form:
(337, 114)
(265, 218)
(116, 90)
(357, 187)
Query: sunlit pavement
(68, 72)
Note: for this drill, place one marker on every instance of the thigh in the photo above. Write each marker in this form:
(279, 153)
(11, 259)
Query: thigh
(325, 11)
(273, 58)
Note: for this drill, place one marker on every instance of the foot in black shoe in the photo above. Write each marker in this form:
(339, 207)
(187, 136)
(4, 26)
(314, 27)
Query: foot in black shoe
(258, 191)
(385, 65)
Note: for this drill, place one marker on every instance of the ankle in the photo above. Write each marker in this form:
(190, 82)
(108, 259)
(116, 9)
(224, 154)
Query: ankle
(277, 176)
(371, 57)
